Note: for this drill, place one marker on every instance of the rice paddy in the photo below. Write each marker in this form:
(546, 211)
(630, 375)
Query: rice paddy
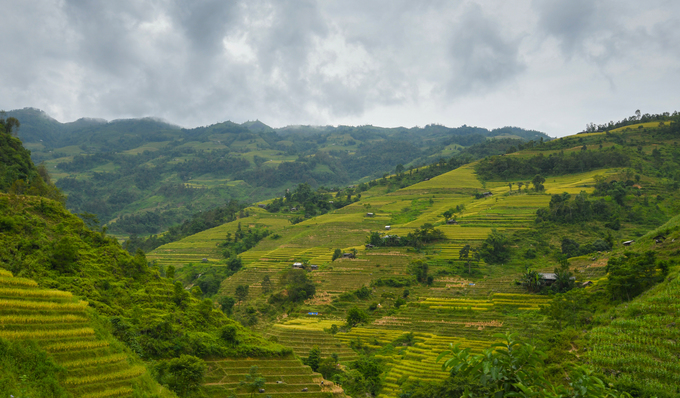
(59, 324)
(468, 311)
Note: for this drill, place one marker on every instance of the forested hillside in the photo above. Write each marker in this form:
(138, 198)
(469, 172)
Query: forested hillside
(142, 176)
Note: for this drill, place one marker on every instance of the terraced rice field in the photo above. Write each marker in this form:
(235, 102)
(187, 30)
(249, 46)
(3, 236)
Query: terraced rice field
(284, 378)
(452, 309)
(59, 324)
(644, 345)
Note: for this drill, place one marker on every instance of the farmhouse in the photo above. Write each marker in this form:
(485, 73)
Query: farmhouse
(369, 246)
(549, 278)
(369, 214)
(628, 242)
(348, 255)
(297, 265)
(387, 227)
(487, 194)
(451, 221)
(261, 206)
(314, 267)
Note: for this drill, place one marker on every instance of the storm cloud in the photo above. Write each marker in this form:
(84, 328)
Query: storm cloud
(551, 65)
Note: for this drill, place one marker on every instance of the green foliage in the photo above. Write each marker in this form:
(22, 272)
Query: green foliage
(531, 281)
(242, 241)
(573, 308)
(515, 369)
(241, 292)
(495, 248)
(297, 287)
(28, 371)
(337, 253)
(418, 269)
(363, 293)
(313, 360)
(538, 181)
(227, 303)
(633, 273)
(182, 375)
(253, 381)
(514, 167)
(356, 316)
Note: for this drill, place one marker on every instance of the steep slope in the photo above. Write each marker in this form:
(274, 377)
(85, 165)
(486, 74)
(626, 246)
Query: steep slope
(96, 365)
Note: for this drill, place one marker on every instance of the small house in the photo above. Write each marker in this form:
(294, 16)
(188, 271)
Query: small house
(297, 265)
(330, 201)
(628, 242)
(451, 221)
(293, 209)
(487, 194)
(204, 260)
(549, 278)
(369, 246)
(587, 283)
(369, 214)
(261, 206)
(348, 255)
(387, 227)
(315, 267)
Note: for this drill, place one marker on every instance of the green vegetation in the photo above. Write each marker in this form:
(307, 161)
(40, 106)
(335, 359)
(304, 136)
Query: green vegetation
(256, 290)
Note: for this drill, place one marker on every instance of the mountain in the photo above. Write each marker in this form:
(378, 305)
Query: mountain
(141, 176)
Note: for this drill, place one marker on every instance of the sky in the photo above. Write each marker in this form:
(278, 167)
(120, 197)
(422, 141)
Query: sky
(547, 65)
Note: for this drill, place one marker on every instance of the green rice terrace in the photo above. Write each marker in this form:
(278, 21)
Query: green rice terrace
(466, 308)
(61, 326)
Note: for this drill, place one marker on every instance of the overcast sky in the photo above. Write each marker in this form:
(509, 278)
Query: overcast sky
(549, 65)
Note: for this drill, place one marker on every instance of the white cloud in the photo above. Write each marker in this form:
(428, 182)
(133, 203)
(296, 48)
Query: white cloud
(550, 65)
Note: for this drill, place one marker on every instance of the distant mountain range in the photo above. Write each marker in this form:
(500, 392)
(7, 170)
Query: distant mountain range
(151, 169)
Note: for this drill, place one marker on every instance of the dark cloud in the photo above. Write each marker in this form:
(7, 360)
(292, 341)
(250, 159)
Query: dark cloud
(482, 57)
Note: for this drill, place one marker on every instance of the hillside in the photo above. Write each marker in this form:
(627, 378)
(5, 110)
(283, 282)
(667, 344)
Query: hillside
(596, 191)
(141, 176)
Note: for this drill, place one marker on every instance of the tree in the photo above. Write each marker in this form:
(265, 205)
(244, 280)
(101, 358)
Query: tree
(531, 281)
(538, 183)
(170, 273)
(356, 316)
(227, 303)
(182, 375)
(464, 254)
(228, 334)
(241, 292)
(254, 381)
(516, 369)
(633, 273)
(234, 263)
(266, 284)
(314, 358)
(336, 254)
(510, 186)
(447, 214)
(418, 268)
(494, 249)
(519, 186)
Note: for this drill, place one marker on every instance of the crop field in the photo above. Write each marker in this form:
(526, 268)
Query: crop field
(284, 378)
(302, 336)
(59, 324)
(463, 177)
(465, 310)
(645, 345)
